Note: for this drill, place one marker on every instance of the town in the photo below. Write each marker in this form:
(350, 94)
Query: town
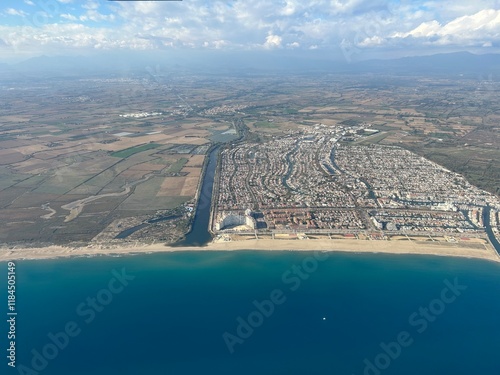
(318, 180)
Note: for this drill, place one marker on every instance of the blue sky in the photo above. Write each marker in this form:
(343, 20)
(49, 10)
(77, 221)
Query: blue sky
(349, 29)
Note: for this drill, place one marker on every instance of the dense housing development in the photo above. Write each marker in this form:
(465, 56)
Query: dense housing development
(313, 181)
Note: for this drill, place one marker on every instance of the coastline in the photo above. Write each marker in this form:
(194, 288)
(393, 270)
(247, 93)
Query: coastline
(487, 252)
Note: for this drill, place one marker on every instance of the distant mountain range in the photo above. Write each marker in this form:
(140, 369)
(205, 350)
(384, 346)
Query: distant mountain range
(446, 63)
(248, 63)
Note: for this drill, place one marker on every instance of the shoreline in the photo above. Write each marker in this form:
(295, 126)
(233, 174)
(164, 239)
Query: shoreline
(341, 245)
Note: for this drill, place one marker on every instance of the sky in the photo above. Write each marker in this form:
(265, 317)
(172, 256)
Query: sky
(342, 29)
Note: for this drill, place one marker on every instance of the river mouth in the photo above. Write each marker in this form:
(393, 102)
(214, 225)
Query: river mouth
(199, 235)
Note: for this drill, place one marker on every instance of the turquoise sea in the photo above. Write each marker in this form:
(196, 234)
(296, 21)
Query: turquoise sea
(254, 313)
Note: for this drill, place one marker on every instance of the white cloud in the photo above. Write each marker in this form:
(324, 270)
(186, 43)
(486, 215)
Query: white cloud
(289, 8)
(68, 16)
(425, 29)
(272, 41)
(486, 20)
(71, 36)
(91, 5)
(218, 44)
(371, 42)
(481, 28)
(482, 22)
(29, 2)
(239, 24)
(15, 12)
(93, 15)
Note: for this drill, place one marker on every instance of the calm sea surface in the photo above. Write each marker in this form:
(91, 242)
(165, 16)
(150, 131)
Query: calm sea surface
(184, 313)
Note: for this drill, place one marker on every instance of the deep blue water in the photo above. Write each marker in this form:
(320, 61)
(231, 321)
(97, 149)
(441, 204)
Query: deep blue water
(171, 318)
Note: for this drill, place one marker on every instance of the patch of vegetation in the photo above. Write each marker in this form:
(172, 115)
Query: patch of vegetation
(177, 166)
(441, 135)
(377, 138)
(265, 124)
(134, 150)
(416, 131)
(78, 137)
(255, 138)
(145, 124)
(350, 122)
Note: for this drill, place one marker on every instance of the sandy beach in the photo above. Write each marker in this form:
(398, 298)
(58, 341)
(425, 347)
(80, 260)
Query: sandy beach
(484, 251)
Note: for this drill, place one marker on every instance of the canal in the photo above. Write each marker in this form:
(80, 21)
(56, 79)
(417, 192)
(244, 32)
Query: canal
(489, 231)
(199, 234)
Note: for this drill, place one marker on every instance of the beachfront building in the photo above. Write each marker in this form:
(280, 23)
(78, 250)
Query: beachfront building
(233, 219)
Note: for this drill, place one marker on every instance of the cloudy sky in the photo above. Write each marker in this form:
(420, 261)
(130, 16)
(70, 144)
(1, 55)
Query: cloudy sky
(348, 29)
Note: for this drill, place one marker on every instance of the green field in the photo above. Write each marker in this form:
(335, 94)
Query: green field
(144, 198)
(134, 150)
(265, 124)
(376, 138)
(177, 166)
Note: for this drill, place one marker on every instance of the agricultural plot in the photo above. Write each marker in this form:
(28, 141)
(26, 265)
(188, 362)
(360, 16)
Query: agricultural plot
(91, 159)
(265, 124)
(171, 186)
(177, 166)
(192, 171)
(195, 161)
(146, 198)
(134, 150)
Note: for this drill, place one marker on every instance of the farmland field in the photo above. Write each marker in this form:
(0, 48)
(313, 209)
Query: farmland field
(60, 149)
(134, 150)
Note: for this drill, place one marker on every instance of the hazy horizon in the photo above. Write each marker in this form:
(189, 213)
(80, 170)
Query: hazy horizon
(343, 31)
